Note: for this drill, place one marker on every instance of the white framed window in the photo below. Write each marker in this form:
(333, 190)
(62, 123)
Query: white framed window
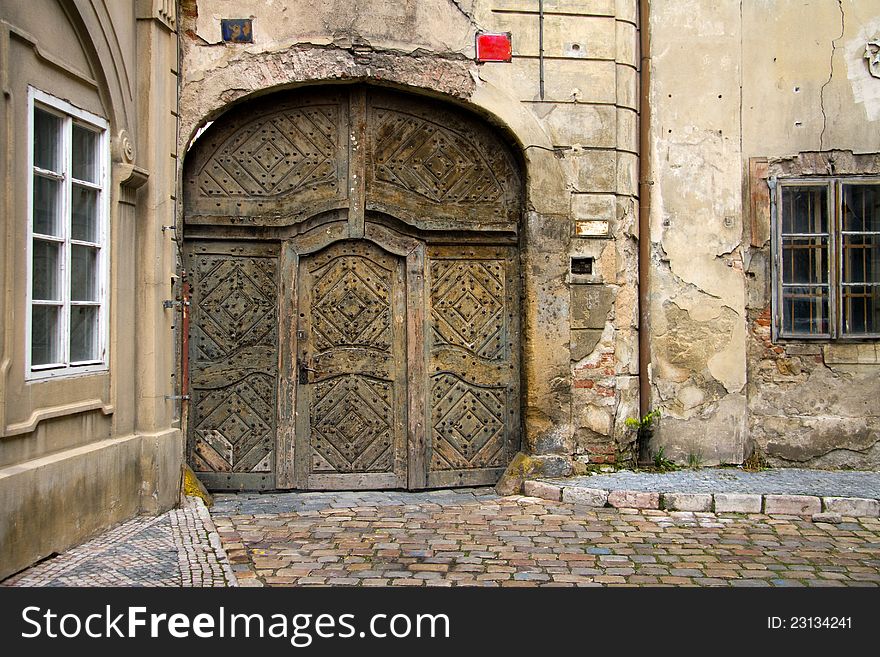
(68, 213)
(827, 258)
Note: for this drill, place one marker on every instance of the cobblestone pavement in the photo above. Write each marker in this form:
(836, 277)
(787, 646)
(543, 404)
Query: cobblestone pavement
(252, 503)
(178, 548)
(790, 481)
(476, 538)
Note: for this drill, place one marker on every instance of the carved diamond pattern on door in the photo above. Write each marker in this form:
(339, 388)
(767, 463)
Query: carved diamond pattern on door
(231, 434)
(468, 305)
(233, 359)
(421, 156)
(234, 307)
(352, 431)
(351, 306)
(468, 425)
(275, 155)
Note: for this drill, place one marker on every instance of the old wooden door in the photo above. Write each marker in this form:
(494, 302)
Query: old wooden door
(353, 254)
(351, 369)
(473, 363)
(233, 364)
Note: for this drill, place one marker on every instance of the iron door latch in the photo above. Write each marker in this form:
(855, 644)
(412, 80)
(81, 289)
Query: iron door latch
(304, 373)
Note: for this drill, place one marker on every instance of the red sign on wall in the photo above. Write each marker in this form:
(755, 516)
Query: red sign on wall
(494, 47)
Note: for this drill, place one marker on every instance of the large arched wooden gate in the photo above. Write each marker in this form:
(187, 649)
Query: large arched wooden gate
(353, 260)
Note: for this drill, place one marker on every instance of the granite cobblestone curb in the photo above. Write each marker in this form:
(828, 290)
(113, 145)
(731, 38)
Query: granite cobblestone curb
(767, 503)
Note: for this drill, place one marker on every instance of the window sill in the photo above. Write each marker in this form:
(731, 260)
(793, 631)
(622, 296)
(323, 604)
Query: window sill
(64, 373)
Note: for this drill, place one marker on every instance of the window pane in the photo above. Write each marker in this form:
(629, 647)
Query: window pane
(805, 260)
(804, 209)
(83, 273)
(861, 258)
(84, 219)
(47, 206)
(805, 310)
(861, 309)
(861, 207)
(85, 154)
(47, 140)
(83, 333)
(44, 335)
(47, 258)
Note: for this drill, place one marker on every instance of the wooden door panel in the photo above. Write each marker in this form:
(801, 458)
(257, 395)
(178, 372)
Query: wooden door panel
(437, 167)
(233, 364)
(270, 165)
(351, 401)
(474, 363)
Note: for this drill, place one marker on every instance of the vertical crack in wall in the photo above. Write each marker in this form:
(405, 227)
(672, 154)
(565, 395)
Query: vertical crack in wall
(830, 76)
(467, 15)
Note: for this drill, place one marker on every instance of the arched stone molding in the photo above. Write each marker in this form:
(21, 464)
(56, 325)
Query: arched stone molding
(111, 68)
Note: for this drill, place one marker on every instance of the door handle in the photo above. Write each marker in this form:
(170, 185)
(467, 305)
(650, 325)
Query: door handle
(304, 373)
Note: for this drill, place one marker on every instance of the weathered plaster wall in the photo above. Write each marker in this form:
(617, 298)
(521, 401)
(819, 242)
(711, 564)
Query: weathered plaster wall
(733, 85)
(578, 143)
(697, 304)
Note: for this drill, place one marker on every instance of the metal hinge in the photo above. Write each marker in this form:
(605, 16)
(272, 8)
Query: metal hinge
(174, 397)
(168, 303)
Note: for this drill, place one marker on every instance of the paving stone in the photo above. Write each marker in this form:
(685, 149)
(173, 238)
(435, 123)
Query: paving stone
(585, 496)
(687, 501)
(829, 517)
(738, 503)
(852, 506)
(796, 505)
(543, 490)
(631, 499)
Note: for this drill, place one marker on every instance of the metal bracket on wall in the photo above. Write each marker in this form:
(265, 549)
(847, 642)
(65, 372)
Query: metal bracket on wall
(176, 397)
(168, 303)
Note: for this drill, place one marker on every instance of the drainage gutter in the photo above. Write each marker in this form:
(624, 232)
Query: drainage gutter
(645, 183)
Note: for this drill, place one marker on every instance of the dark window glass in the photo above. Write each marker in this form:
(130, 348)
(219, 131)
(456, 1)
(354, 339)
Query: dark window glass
(805, 310)
(805, 210)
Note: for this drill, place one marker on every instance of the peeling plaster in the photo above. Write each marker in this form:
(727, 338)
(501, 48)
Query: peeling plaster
(865, 87)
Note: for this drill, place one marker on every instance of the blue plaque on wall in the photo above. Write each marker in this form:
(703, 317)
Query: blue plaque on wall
(237, 30)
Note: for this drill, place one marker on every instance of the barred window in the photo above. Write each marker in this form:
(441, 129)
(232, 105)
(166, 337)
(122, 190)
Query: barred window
(827, 258)
(67, 304)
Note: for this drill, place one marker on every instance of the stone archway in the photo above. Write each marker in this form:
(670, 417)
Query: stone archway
(353, 257)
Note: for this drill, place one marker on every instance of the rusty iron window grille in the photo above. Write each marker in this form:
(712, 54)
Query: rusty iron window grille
(826, 258)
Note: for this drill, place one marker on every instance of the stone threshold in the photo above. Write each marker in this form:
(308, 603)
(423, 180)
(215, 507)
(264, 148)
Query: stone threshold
(820, 509)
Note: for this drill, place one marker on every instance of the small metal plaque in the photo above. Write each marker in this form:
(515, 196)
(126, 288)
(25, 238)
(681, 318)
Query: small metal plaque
(494, 47)
(237, 30)
(591, 228)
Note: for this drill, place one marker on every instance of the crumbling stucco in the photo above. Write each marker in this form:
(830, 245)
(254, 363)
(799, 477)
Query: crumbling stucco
(774, 80)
